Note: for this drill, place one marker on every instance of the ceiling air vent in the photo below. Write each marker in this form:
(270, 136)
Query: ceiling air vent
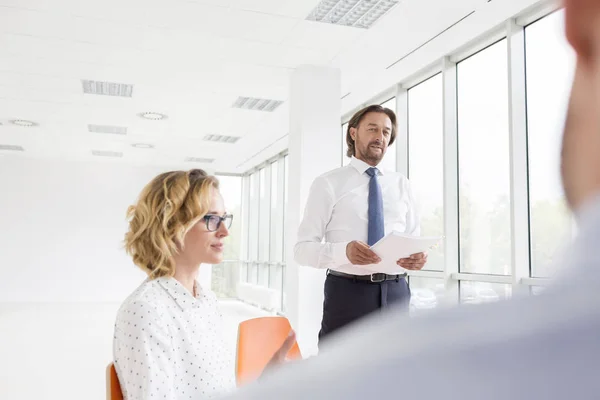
(200, 160)
(104, 153)
(251, 103)
(114, 130)
(11, 147)
(221, 138)
(107, 88)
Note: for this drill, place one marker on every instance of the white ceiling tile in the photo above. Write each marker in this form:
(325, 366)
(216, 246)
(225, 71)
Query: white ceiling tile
(322, 36)
(291, 8)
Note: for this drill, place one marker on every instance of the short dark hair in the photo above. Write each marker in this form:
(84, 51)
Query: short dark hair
(360, 115)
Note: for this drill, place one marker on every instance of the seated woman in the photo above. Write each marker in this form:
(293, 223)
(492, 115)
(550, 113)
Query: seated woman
(168, 341)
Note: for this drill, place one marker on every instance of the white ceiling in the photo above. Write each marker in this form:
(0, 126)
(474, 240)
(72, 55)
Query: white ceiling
(191, 60)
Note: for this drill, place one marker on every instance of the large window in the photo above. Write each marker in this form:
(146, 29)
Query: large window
(426, 160)
(253, 229)
(550, 66)
(264, 226)
(264, 267)
(276, 244)
(484, 169)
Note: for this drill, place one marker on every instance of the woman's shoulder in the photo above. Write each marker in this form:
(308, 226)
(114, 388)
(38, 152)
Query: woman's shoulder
(148, 295)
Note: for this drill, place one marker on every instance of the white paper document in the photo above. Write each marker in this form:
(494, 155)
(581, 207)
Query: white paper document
(397, 245)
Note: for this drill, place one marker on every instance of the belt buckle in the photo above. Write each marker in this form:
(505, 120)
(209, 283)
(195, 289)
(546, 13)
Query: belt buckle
(374, 280)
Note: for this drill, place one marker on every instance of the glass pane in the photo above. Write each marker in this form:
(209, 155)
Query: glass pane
(285, 205)
(550, 62)
(285, 201)
(253, 229)
(226, 275)
(276, 247)
(483, 149)
(483, 292)
(264, 234)
(426, 160)
(389, 160)
(426, 294)
(345, 158)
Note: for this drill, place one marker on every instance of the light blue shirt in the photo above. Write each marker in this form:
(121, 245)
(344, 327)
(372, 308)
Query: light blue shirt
(534, 347)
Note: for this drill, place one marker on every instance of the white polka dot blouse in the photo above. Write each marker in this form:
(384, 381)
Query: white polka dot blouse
(169, 345)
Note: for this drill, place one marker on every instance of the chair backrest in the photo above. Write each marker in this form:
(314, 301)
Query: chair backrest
(258, 340)
(113, 387)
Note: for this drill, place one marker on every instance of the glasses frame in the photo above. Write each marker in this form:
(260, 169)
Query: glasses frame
(208, 217)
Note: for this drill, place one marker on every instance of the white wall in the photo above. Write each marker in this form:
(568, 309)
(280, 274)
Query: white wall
(62, 226)
(64, 273)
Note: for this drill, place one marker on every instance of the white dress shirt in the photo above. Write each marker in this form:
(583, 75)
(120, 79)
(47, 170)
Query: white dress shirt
(337, 211)
(168, 344)
(532, 347)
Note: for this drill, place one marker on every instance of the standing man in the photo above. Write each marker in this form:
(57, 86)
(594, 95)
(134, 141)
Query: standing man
(348, 210)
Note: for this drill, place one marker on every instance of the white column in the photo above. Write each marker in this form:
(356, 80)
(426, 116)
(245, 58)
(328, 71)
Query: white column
(314, 148)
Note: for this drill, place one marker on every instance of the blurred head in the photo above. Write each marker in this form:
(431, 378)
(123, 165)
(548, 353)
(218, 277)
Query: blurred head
(581, 141)
(179, 217)
(370, 132)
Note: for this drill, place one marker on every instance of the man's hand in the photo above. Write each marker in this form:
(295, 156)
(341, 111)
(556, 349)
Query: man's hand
(360, 253)
(414, 263)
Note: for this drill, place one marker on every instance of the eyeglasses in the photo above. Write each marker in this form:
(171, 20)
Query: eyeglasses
(213, 221)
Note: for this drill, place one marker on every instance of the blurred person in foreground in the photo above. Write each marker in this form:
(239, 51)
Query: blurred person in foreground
(168, 341)
(535, 347)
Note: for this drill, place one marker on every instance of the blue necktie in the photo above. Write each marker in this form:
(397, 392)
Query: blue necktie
(376, 225)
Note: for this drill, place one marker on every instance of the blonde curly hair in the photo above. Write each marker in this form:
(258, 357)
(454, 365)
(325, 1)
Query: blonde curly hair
(167, 208)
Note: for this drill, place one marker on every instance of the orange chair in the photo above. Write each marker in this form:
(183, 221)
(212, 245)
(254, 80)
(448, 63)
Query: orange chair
(258, 340)
(113, 387)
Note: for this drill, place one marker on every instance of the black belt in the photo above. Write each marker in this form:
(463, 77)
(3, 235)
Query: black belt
(373, 278)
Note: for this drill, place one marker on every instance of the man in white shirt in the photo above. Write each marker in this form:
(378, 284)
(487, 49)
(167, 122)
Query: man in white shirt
(533, 347)
(348, 210)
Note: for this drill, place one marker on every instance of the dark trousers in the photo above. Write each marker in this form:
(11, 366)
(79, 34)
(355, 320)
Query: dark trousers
(347, 300)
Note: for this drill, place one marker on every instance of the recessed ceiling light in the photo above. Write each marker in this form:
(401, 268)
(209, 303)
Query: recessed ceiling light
(11, 147)
(355, 13)
(142, 146)
(153, 116)
(23, 122)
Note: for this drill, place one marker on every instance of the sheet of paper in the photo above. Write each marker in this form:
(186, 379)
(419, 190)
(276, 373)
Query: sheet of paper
(396, 245)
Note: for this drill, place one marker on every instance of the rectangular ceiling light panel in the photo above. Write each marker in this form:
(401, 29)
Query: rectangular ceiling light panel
(354, 13)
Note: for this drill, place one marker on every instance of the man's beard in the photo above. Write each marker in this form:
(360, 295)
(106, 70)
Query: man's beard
(372, 155)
